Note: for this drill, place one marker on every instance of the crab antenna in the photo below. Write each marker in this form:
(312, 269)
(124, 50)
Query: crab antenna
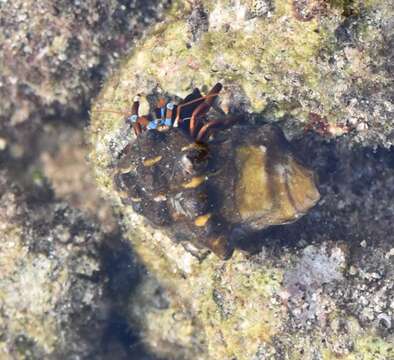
(204, 107)
(134, 109)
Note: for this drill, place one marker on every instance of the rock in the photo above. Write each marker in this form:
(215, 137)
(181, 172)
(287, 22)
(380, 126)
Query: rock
(54, 56)
(51, 287)
(277, 66)
(313, 75)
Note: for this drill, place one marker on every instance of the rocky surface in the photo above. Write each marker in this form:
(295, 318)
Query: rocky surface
(63, 281)
(321, 287)
(70, 285)
(54, 55)
(65, 270)
(331, 74)
(51, 284)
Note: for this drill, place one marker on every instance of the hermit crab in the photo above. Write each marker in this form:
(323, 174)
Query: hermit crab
(209, 180)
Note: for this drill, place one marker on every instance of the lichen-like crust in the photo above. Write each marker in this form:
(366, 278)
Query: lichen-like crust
(329, 75)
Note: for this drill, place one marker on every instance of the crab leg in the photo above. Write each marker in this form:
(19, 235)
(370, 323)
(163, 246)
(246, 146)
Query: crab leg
(137, 128)
(133, 118)
(210, 95)
(192, 99)
(204, 107)
(212, 124)
(159, 112)
(135, 106)
(161, 104)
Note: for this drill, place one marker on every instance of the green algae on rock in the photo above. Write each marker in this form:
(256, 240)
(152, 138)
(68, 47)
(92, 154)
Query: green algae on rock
(278, 66)
(274, 66)
(50, 273)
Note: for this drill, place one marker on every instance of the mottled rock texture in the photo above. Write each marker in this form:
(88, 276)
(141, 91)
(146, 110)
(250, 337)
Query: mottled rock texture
(63, 281)
(51, 282)
(54, 55)
(331, 74)
(320, 288)
(63, 277)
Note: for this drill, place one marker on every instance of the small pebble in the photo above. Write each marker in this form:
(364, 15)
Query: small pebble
(390, 253)
(352, 270)
(385, 320)
(362, 126)
(3, 144)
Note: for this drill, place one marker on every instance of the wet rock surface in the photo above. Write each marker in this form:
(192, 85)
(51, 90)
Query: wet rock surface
(65, 270)
(329, 275)
(320, 287)
(70, 285)
(331, 74)
(51, 278)
(54, 55)
(63, 281)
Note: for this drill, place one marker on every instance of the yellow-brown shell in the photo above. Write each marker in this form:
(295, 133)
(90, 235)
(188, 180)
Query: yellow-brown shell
(268, 185)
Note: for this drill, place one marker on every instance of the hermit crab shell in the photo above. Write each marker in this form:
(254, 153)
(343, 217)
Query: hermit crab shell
(212, 195)
(263, 183)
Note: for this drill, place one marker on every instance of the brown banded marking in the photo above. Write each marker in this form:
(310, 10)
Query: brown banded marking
(160, 198)
(220, 246)
(123, 194)
(126, 196)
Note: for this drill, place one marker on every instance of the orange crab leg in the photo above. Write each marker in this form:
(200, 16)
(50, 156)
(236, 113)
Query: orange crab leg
(133, 118)
(208, 98)
(204, 107)
(137, 128)
(212, 124)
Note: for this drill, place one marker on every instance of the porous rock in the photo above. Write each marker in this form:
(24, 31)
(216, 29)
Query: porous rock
(327, 74)
(51, 281)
